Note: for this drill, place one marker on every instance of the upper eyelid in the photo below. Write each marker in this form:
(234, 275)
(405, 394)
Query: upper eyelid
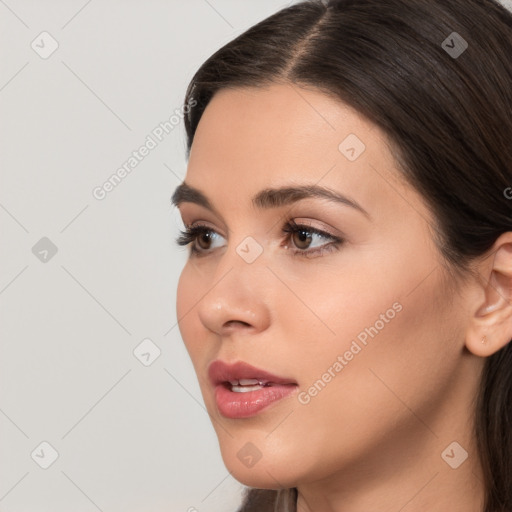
(284, 219)
(202, 224)
(284, 222)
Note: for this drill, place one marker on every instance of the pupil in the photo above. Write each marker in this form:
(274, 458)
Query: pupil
(304, 237)
(203, 237)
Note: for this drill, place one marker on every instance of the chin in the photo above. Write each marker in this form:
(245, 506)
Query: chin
(261, 479)
(274, 472)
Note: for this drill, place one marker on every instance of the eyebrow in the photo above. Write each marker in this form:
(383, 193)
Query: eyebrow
(269, 197)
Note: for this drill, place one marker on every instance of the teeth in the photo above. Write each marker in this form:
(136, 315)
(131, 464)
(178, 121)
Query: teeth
(249, 382)
(245, 382)
(246, 385)
(245, 389)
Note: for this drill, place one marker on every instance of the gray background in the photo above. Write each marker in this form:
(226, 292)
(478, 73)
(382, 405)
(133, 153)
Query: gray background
(128, 424)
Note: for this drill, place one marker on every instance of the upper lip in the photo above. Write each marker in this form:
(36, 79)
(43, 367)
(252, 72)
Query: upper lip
(221, 372)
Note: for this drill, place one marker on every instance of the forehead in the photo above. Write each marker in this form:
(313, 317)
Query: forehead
(274, 122)
(252, 138)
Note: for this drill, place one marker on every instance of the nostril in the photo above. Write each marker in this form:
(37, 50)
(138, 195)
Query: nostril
(234, 323)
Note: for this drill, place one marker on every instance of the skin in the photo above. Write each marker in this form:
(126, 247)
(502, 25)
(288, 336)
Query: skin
(373, 437)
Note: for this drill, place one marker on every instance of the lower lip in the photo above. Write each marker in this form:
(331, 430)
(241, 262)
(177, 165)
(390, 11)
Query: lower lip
(244, 405)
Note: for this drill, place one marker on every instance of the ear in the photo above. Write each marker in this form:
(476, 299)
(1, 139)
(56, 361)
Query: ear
(490, 325)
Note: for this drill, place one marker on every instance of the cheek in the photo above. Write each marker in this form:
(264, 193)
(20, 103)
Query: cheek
(392, 340)
(332, 307)
(366, 288)
(387, 318)
(364, 411)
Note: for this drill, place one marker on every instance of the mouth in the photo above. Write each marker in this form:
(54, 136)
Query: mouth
(242, 390)
(246, 385)
(241, 375)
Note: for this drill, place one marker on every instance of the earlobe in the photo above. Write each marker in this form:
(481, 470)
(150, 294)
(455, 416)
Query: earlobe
(490, 327)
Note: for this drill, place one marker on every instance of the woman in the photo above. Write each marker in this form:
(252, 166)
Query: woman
(347, 301)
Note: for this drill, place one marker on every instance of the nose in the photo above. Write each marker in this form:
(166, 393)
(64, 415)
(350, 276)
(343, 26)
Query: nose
(236, 299)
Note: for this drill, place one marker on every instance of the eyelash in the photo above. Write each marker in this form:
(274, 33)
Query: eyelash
(190, 235)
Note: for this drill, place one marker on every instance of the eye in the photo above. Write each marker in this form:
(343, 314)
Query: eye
(197, 235)
(302, 236)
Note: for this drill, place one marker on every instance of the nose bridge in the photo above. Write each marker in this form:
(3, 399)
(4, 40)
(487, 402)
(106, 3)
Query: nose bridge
(237, 290)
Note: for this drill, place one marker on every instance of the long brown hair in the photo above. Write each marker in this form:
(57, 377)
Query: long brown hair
(445, 102)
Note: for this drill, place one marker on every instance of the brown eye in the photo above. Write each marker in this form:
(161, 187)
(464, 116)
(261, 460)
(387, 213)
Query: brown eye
(206, 238)
(202, 237)
(199, 237)
(303, 238)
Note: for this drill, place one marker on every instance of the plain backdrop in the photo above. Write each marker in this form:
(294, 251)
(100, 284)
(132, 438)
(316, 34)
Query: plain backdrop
(99, 406)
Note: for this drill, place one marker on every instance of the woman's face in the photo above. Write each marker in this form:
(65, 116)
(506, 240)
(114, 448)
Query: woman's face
(360, 318)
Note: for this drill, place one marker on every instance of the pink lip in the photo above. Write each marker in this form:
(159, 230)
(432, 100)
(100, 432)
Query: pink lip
(244, 405)
(220, 372)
